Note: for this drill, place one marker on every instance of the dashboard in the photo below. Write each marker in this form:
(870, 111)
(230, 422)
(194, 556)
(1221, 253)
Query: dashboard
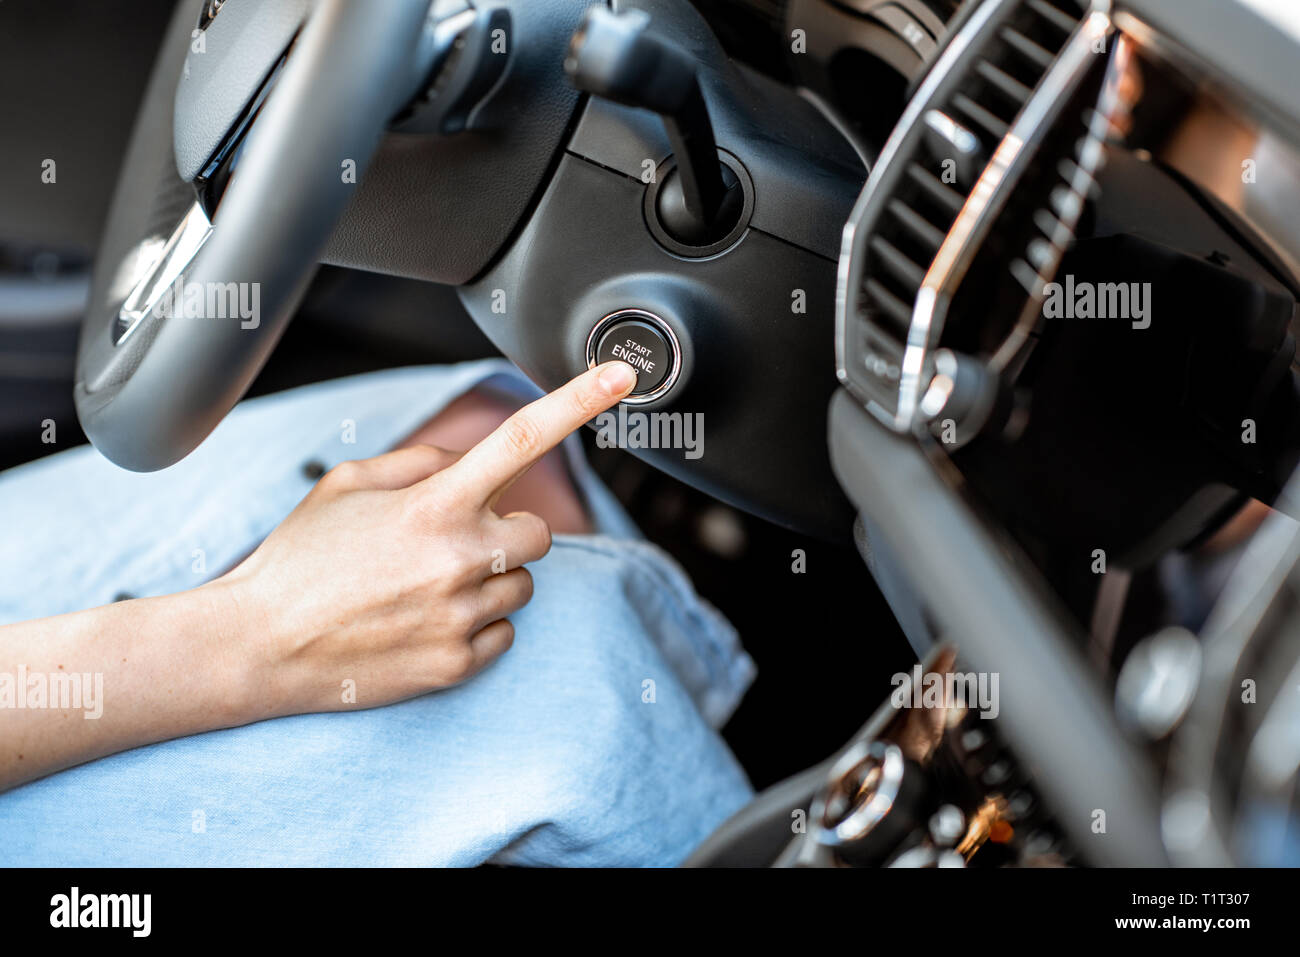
(1062, 256)
(1066, 335)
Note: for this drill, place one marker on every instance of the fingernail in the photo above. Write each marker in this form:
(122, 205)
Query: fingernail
(617, 377)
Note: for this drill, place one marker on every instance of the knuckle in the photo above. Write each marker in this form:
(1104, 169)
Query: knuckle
(457, 662)
(475, 552)
(471, 566)
(584, 404)
(461, 619)
(534, 533)
(438, 458)
(522, 436)
(345, 475)
(541, 536)
(507, 634)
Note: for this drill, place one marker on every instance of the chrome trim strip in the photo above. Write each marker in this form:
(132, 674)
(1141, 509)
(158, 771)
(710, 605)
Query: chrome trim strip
(862, 816)
(986, 200)
(1078, 179)
(916, 107)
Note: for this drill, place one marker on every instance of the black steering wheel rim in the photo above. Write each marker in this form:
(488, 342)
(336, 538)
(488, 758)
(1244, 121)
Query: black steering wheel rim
(149, 397)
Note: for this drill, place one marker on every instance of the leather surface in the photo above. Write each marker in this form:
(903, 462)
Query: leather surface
(238, 50)
(442, 208)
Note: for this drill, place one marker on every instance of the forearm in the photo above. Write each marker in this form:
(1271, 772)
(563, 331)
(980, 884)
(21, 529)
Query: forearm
(394, 577)
(91, 683)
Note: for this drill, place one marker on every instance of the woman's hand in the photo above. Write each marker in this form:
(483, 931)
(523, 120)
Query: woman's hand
(394, 576)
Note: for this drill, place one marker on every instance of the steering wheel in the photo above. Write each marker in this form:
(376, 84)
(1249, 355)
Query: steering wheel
(613, 182)
(282, 104)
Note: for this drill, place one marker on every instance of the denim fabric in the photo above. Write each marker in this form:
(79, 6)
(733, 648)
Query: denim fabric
(591, 742)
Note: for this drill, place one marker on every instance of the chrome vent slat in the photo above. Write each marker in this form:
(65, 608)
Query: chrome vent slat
(898, 263)
(1040, 253)
(1052, 227)
(1058, 213)
(1027, 276)
(993, 125)
(1055, 16)
(945, 195)
(1071, 172)
(917, 225)
(1037, 56)
(1013, 88)
(1065, 204)
(888, 301)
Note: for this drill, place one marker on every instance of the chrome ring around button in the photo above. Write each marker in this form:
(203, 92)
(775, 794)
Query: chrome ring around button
(649, 318)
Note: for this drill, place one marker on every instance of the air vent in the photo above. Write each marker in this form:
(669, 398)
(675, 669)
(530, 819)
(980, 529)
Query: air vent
(1062, 186)
(916, 226)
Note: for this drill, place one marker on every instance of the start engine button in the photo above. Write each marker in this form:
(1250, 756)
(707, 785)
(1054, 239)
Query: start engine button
(641, 346)
(643, 341)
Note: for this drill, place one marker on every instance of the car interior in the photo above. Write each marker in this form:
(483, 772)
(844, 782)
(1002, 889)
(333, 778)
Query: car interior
(989, 307)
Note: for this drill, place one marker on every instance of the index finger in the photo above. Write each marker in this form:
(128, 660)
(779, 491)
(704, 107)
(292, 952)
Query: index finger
(490, 467)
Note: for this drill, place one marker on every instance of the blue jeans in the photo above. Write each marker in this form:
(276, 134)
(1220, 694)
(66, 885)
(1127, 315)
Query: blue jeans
(593, 741)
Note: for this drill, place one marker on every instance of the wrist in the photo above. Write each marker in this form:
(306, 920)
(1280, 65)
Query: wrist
(238, 633)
